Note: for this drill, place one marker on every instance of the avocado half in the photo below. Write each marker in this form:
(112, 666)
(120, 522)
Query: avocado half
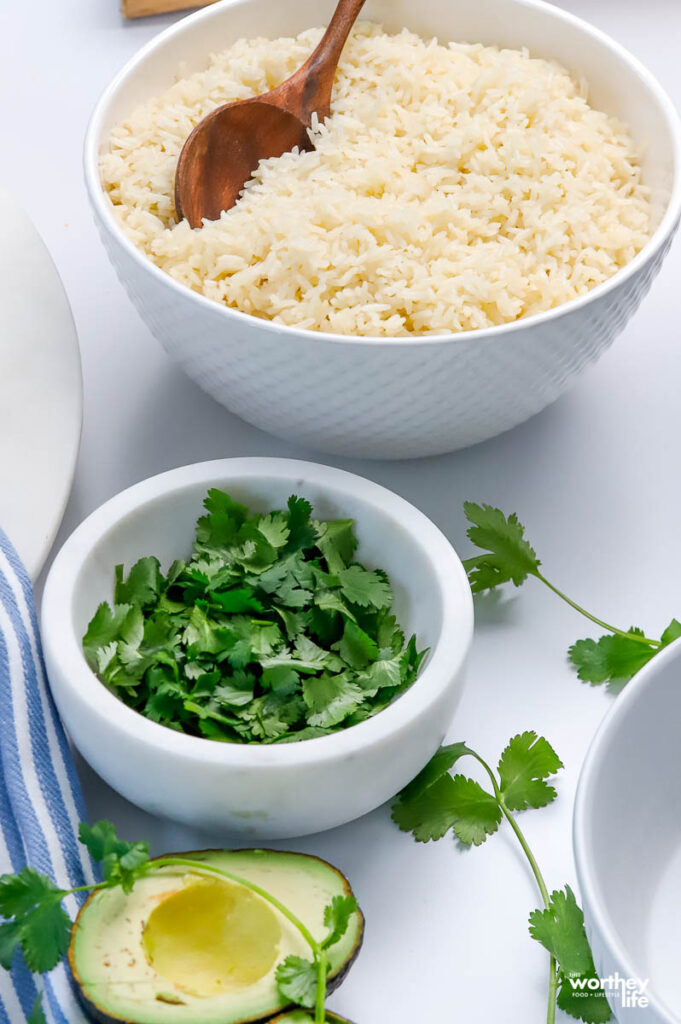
(188, 948)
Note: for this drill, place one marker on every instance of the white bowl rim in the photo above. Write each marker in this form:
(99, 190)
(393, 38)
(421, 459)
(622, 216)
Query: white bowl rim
(104, 208)
(446, 659)
(588, 776)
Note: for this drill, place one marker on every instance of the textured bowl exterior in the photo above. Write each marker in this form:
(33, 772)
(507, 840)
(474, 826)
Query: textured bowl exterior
(404, 401)
(395, 398)
(258, 791)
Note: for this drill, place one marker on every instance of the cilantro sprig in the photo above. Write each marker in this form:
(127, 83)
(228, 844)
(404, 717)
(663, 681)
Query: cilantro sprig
(437, 802)
(508, 557)
(35, 925)
(270, 633)
(304, 981)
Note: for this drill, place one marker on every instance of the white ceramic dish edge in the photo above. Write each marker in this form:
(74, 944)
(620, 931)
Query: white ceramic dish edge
(610, 954)
(41, 391)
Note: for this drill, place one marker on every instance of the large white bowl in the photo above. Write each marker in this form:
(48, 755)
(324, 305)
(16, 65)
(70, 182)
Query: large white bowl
(381, 397)
(258, 791)
(627, 837)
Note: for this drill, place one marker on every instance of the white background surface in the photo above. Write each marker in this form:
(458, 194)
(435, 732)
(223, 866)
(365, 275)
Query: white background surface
(595, 477)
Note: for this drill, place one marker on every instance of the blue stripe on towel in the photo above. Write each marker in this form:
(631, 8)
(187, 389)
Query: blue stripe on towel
(40, 797)
(80, 861)
(44, 766)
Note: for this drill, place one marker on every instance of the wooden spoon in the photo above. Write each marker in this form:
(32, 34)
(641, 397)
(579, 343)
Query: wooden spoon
(224, 149)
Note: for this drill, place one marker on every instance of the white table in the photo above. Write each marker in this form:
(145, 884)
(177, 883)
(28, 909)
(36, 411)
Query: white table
(595, 478)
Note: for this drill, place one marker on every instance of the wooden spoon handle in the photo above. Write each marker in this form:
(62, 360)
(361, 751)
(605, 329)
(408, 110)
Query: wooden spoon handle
(309, 89)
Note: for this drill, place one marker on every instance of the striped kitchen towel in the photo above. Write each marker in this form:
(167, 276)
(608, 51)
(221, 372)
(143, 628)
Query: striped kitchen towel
(40, 799)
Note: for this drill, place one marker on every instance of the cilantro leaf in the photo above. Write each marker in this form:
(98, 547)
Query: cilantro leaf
(356, 648)
(45, 934)
(477, 812)
(40, 925)
(143, 585)
(237, 690)
(337, 542)
(331, 601)
(302, 534)
(237, 600)
(21, 892)
(560, 929)
(166, 702)
(122, 862)
(671, 633)
(431, 813)
(330, 698)
(37, 1014)
(297, 980)
(583, 1003)
(439, 764)
(365, 588)
(10, 937)
(508, 555)
(105, 627)
(524, 765)
(383, 673)
(283, 680)
(337, 918)
(611, 658)
(217, 531)
(275, 713)
(274, 528)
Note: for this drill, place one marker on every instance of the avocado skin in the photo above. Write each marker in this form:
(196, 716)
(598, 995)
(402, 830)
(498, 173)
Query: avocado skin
(289, 1016)
(98, 1015)
(306, 1017)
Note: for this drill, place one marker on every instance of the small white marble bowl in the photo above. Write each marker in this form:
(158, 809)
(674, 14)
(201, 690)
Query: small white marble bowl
(270, 791)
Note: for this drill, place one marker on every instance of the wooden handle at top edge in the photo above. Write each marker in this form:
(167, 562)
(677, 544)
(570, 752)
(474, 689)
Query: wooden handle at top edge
(144, 8)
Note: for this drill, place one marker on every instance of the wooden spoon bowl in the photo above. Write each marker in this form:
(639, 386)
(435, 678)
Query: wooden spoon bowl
(225, 148)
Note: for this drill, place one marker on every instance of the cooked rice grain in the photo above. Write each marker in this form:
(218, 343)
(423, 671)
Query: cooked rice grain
(455, 187)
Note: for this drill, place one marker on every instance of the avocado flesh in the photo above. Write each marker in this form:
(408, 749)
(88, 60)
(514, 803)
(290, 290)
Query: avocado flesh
(212, 935)
(198, 949)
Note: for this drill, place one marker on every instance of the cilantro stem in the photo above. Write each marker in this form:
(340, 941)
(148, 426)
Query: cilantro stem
(539, 878)
(593, 618)
(320, 963)
(553, 975)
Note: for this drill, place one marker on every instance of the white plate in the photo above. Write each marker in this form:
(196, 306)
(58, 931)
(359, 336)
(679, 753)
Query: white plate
(41, 390)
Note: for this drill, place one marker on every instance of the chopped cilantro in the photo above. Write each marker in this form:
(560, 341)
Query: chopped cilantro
(271, 632)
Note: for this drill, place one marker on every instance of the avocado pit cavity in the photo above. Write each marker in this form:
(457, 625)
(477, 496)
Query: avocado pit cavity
(212, 936)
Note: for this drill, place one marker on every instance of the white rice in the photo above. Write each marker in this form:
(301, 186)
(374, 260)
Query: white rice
(455, 187)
